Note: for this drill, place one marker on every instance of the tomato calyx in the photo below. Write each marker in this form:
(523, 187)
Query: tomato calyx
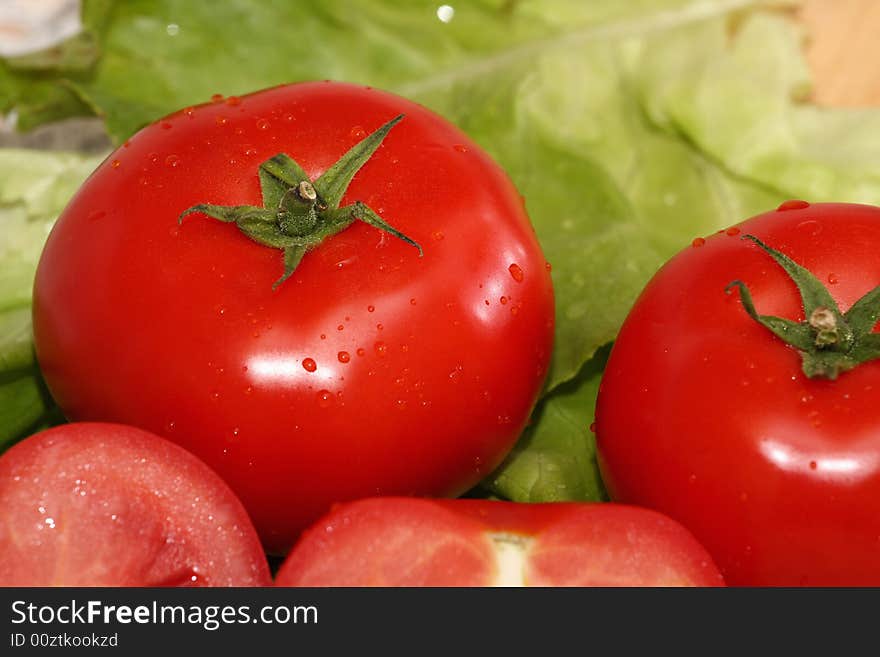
(830, 342)
(299, 213)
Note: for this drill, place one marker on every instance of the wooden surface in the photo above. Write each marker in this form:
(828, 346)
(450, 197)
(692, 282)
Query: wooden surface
(843, 50)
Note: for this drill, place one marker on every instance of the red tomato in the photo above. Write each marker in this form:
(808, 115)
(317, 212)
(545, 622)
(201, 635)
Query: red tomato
(707, 416)
(371, 370)
(108, 505)
(419, 542)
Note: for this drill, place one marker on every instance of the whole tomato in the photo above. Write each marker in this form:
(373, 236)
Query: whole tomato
(741, 397)
(322, 357)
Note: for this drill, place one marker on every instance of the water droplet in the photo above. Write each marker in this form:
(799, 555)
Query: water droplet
(445, 13)
(460, 148)
(502, 300)
(733, 230)
(172, 160)
(381, 348)
(115, 164)
(516, 272)
(379, 327)
(220, 120)
(358, 132)
(309, 365)
(437, 235)
(325, 398)
(486, 301)
(371, 308)
(232, 101)
(813, 465)
(592, 427)
(250, 150)
(215, 396)
(126, 143)
(216, 98)
(400, 404)
(832, 279)
(810, 226)
(503, 419)
(698, 242)
(190, 111)
(360, 351)
(340, 327)
(263, 124)
(248, 390)
(793, 204)
(169, 426)
(323, 336)
(412, 301)
(343, 356)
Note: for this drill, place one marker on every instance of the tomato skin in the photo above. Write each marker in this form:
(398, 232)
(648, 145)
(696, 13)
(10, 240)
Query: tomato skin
(465, 542)
(93, 504)
(706, 416)
(423, 375)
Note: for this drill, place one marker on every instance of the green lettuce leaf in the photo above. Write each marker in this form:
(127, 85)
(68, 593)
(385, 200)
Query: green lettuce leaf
(34, 188)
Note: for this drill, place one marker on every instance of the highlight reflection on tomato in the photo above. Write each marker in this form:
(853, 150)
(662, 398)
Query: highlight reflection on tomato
(707, 416)
(371, 370)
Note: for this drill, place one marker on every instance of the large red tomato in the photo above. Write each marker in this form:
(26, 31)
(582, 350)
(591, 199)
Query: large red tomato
(706, 414)
(371, 370)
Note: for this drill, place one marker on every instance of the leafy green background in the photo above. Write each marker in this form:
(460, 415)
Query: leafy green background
(629, 127)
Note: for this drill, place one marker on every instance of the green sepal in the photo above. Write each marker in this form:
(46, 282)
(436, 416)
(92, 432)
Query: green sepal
(292, 257)
(331, 185)
(797, 334)
(231, 213)
(829, 342)
(813, 293)
(298, 214)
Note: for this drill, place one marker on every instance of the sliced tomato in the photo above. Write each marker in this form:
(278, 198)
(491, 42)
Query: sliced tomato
(94, 504)
(419, 542)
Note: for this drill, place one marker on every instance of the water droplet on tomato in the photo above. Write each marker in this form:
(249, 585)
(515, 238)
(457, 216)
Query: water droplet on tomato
(437, 235)
(190, 111)
(358, 132)
(698, 242)
(381, 348)
(115, 164)
(263, 124)
(379, 327)
(325, 398)
(250, 150)
(502, 300)
(309, 364)
(813, 465)
(165, 125)
(832, 279)
(793, 204)
(460, 148)
(232, 101)
(343, 356)
(323, 336)
(248, 390)
(371, 308)
(360, 351)
(172, 160)
(810, 226)
(412, 301)
(400, 404)
(220, 120)
(126, 143)
(733, 230)
(340, 327)
(216, 98)
(215, 396)
(516, 272)
(503, 419)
